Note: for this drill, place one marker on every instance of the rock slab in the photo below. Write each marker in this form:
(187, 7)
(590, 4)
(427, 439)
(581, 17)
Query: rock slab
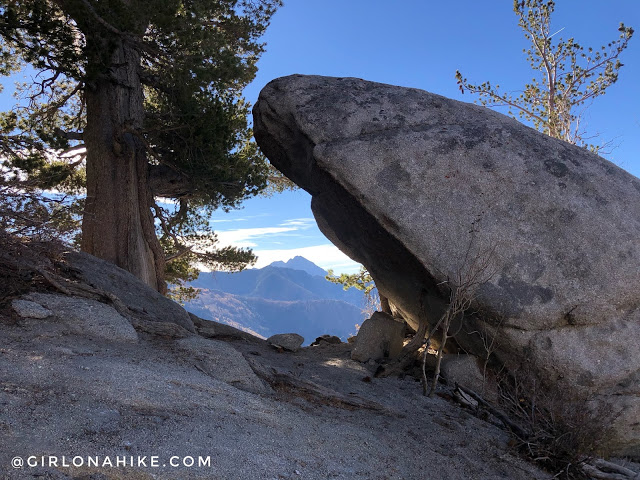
(420, 189)
(223, 362)
(86, 317)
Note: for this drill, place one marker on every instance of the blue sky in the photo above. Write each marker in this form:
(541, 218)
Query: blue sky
(419, 43)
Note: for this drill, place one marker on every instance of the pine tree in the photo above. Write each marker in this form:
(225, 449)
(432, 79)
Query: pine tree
(134, 101)
(568, 76)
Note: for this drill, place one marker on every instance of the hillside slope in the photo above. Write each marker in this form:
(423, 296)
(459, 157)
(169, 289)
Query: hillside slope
(103, 383)
(279, 299)
(263, 317)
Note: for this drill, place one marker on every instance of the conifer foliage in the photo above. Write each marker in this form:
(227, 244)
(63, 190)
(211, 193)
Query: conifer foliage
(135, 101)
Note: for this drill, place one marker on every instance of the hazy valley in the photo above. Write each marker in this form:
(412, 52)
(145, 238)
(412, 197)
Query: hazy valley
(282, 297)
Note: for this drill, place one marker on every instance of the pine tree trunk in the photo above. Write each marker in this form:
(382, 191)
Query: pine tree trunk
(117, 224)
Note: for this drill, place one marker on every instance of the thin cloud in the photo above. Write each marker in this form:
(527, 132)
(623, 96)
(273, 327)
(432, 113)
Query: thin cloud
(326, 256)
(300, 222)
(241, 219)
(248, 237)
(229, 220)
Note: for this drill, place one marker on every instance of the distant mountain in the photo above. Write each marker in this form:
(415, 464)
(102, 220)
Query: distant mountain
(276, 283)
(263, 318)
(277, 299)
(301, 263)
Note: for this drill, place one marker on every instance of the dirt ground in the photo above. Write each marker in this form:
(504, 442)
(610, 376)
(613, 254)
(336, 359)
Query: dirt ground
(75, 398)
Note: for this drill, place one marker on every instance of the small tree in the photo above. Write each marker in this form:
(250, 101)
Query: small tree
(569, 76)
(475, 271)
(361, 281)
(364, 282)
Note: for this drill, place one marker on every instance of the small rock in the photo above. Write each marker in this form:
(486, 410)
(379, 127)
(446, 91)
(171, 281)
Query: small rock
(324, 339)
(28, 309)
(287, 341)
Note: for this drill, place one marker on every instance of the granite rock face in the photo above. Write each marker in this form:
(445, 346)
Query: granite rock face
(417, 187)
(86, 317)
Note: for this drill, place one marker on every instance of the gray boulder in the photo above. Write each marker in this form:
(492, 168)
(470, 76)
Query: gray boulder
(468, 372)
(379, 337)
(144, 303)
(287, 341)
(421, 189)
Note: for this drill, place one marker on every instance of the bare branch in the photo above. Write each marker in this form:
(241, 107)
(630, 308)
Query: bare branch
(569, 76)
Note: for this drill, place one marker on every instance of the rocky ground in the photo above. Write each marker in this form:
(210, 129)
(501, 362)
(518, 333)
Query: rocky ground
(102, 378)
(66, 392)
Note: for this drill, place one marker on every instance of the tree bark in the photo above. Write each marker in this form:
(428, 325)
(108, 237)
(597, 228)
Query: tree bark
(118, 225)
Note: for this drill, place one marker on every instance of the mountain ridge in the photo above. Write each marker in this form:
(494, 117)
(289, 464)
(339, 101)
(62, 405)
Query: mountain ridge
(279, 299)
(300, 263)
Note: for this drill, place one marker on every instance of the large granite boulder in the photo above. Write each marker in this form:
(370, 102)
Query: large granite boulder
(421, 189)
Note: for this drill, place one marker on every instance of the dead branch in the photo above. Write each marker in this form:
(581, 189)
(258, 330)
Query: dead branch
(474, 271)
(601, 474)
(605, 466)
(500, 415)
